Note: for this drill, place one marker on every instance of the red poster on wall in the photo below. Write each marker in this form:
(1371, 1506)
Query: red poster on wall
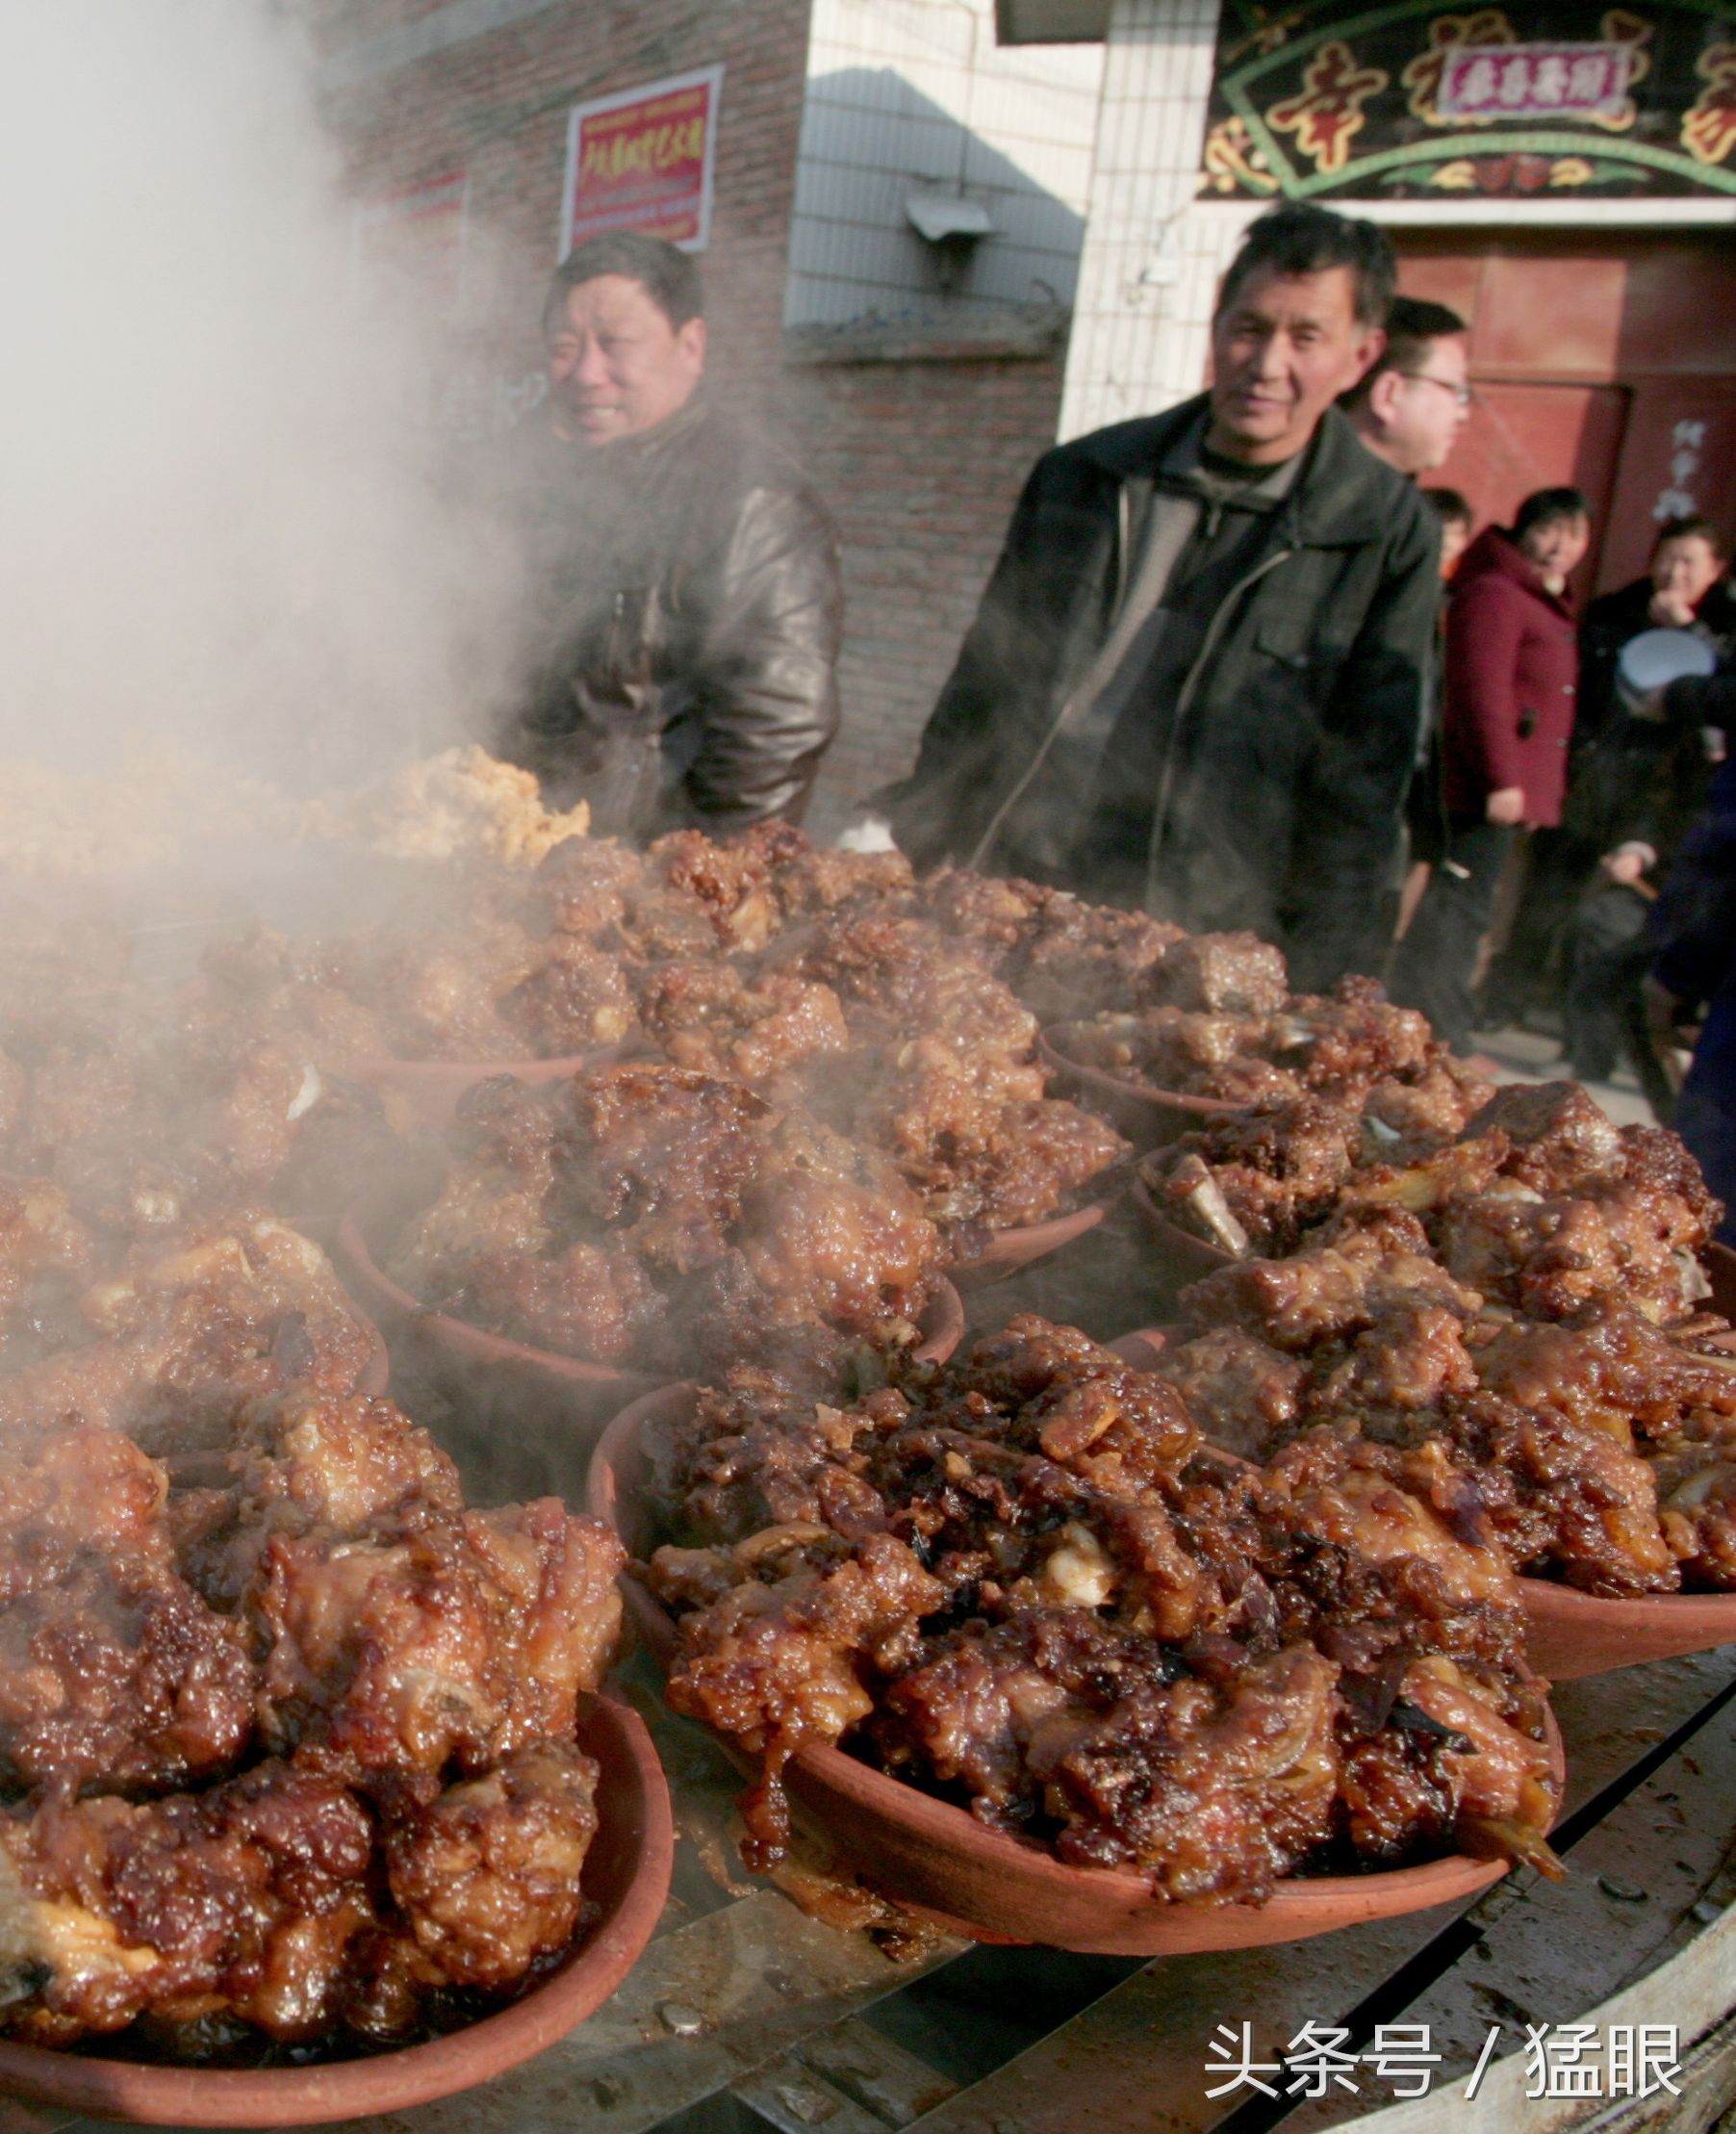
(643, 160)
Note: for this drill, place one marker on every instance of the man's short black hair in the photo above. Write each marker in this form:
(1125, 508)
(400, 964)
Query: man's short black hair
(1413, 322)
(1693, 528)
(1301, 239)
(1451, 506)
(669, 276)
(1545, 507)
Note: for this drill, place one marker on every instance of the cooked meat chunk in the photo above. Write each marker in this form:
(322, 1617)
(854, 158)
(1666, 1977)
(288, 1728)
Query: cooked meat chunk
(1224, 1029)
(305, 1462)
(1333, 1289)
(583, 886)
(1241, 1390)
(1215, 1789)
(119, 1679)
(578, 998)
(707, 1017)
(488, 1874)
(777, 1661)
(461, 1638)
(1216, 974)
(1561, 1139)
(1279, 1169)
(244, 1900)
(1021, 1579)
(76, 1490)
(642, 1214)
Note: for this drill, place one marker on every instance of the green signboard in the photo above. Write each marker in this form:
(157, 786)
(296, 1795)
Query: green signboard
(1322, 100)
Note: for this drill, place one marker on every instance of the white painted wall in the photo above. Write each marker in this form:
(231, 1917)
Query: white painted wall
(1152, 256)
(911, 95)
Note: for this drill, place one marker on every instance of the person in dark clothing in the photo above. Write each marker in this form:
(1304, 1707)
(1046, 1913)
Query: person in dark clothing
(1410, 403)
(1639, 792)
(1508, 715)
(1693, 938)
(1613, 767)
(1195, 680)
(685, 601)
(1686, 586)
(1426, 803)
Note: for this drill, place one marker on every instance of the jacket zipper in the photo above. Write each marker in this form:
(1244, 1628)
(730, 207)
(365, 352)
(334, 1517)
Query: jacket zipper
(1184, 704)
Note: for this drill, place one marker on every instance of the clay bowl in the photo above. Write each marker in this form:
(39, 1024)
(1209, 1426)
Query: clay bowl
(1150, 1118)
(1009, 1251)
(532, 1410)
(529, 1413)
(1571, 1633)
(1140, 1348)
(427, 1090)
(939, 1862)
(626, 1876)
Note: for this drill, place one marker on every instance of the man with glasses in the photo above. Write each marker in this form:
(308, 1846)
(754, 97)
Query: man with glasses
(1410, 408)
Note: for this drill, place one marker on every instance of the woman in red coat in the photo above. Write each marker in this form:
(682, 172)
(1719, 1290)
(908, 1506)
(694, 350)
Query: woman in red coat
(1512, 672)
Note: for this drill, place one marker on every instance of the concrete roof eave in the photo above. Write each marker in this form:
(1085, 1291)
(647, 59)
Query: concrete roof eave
(1052, 21)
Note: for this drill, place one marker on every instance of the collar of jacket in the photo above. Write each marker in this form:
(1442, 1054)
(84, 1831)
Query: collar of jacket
(1341, 496)
(1495, 554)
(639, 448)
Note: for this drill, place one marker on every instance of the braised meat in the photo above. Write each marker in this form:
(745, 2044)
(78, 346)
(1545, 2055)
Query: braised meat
(1223, 1027)
(246, 1899)
(185, 1331)
(118, 1675)
(437, 1640)
(709, 1016)
(1019, 1580)
(1275, 1169)
(1218, 974)
(1578, 1422)
(486, 1874)
(290, 1757)
(642, 1213)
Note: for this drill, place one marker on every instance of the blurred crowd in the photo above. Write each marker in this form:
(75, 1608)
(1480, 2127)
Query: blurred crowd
(1598, 894)
(1236, 666)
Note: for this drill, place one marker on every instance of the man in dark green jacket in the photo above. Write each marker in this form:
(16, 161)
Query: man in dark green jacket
(1195, 682)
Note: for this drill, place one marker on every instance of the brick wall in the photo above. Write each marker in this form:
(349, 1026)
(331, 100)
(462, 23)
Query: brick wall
(921, 463)
(415, 90)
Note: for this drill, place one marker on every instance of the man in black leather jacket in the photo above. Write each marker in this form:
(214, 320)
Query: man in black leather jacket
(684, 606)
(1196, 680)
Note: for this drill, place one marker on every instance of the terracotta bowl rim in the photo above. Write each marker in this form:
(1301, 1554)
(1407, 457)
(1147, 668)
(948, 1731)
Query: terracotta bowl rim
(1050, 1046)
(155, 2093)
(1454, 1875)
(1020, 1243)
(1577, 1610)
(943, 1322)
(459, 1334)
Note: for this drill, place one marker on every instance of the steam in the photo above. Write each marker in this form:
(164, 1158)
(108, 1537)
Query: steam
(218, 520)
